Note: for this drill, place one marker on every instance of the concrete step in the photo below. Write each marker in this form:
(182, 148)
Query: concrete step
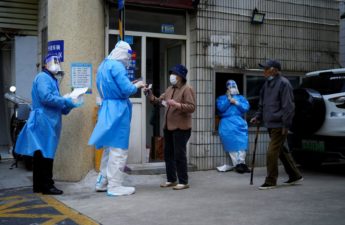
(151, 168)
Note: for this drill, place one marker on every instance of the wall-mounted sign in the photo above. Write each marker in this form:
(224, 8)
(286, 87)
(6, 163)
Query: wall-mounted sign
(120, 4)
(81, 76)
(168, 28)
(56, 48)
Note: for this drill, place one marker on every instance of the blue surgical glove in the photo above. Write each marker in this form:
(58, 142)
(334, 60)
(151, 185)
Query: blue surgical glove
(69, 103)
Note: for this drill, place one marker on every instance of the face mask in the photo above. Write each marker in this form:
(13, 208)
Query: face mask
(54, 68)
(270, 78)
(173, 79)
(54, 65)
(233, 91)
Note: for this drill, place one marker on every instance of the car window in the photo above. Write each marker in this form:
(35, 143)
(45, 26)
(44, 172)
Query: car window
(325, 83)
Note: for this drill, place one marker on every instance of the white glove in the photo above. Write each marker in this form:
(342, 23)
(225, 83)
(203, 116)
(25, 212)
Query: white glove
(228, 95)
(139, 84)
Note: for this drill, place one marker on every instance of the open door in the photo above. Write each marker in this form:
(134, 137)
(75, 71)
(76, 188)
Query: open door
(161, 54)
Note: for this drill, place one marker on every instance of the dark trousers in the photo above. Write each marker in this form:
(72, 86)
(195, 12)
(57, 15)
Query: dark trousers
(42, 172)
(175, 157)
(276, 149)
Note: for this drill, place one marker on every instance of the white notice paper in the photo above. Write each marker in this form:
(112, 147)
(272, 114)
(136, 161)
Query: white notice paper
(77, 92)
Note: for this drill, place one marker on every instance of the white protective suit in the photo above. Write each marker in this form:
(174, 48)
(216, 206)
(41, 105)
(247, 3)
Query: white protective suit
(113, 125)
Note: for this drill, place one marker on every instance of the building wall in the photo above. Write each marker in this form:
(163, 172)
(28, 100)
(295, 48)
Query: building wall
(303, 35)
(342, 34)
(80, 23)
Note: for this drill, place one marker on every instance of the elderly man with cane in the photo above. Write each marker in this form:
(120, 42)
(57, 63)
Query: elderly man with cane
(276, 109)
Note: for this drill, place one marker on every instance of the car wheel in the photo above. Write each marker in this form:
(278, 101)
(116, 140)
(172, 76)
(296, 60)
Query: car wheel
(310, 111)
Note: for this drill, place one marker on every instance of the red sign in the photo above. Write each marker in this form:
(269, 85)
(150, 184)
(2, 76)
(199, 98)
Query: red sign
(179, 4)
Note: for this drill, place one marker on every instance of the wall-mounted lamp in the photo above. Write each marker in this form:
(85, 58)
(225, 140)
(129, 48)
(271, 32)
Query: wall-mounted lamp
(257, 17)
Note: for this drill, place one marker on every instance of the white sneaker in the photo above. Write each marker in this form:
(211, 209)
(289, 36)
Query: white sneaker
(224, 168)
(121, 191)
(181, 186)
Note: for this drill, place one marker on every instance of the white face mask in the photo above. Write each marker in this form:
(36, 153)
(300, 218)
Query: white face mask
(173, 79)
(270, 78)
(54, 68)
(233, 91)
(54, 65)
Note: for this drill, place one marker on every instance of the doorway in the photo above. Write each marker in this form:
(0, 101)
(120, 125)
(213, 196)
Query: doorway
(18, 56)
(161, 54)
(154, 56)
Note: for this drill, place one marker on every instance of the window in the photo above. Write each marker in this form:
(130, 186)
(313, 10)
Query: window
(155, 21)
(254, 84)
(325, 83)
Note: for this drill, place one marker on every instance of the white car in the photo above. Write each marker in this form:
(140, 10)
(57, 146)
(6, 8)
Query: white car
(318, 131)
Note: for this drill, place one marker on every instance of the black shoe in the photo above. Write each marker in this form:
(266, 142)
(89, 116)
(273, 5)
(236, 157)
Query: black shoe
(52, 191)
(242, 168)
(245, 168)
(293, 181)
(239, 168)
(267, 186)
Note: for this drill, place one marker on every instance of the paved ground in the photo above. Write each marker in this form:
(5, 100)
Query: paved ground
(21, 206)
(214, 198)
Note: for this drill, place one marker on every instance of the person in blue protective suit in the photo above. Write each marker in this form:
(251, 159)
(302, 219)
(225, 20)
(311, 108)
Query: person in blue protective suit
(233, 129)
(40, 135)
(114, 117)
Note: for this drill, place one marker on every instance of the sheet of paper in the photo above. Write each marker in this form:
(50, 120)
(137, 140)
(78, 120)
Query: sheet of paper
(78, 92)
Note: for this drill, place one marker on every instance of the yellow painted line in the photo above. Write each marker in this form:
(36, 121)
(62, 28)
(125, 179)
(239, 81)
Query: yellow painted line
(11, 210)
(70, 213)
(12, 200)
(8, 210)
(32, 216)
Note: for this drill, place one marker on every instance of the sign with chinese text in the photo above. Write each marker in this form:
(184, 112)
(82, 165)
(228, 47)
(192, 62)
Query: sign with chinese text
(81, 75)
(167, 28)
(56, 48)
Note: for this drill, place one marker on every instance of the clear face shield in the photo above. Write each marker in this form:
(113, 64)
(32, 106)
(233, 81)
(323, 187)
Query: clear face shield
(127, 60)
(53, 64)
(232, 87)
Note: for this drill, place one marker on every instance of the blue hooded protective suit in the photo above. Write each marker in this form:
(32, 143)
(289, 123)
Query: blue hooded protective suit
(42, 130)
(114, 116)
(233, 129)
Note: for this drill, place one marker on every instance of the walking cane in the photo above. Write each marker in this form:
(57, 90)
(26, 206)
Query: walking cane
(254, 153)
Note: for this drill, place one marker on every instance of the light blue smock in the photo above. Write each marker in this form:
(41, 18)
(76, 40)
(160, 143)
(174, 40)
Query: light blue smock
(115, 113)
(233, 129)
(43, 128)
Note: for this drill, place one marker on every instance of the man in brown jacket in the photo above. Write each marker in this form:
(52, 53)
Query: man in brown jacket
(179, 100)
